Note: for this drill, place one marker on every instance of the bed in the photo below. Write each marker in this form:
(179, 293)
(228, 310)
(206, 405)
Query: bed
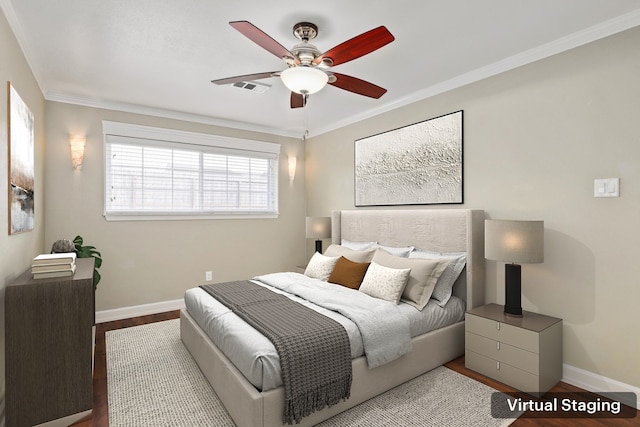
(436, 230)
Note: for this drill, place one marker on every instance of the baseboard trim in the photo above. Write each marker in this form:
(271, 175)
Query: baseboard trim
(68, 420)
(596, 383)
(138, 310)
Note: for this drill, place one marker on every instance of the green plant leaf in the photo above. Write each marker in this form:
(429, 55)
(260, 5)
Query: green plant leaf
(89, 251)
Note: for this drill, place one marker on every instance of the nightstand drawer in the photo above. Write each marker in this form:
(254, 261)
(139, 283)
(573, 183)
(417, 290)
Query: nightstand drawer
(502, 352)
(503, 372)
(481, 326)
(499, 331)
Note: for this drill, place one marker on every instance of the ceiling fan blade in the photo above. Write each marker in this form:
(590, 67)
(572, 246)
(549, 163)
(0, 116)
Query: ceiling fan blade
(245, 78)
(298, 100)
(358, 46)
(355, 85)
(262, 39)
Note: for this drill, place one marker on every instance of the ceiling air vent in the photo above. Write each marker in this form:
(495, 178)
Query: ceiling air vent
(253, 86)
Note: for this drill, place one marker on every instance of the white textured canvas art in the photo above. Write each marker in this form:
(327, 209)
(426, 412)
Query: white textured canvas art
(414, 165)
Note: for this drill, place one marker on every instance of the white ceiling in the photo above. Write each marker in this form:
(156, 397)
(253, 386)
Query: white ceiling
(158, 56)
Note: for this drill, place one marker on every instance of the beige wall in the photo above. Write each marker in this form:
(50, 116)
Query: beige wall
(534, 140)
(155, 261)
(16, 251)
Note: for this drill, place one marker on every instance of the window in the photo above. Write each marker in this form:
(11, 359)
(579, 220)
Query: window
(154, 173)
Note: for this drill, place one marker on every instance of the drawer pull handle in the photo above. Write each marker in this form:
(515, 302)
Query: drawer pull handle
(498, 345)
(498, 366)
(498, 325)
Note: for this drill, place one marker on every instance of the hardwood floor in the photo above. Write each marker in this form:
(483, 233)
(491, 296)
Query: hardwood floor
(100, 416)
(458, 366)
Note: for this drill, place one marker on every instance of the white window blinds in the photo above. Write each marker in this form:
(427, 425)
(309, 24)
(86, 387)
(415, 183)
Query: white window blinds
(155, 172)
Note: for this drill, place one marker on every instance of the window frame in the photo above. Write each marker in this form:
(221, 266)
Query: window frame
(204, 143)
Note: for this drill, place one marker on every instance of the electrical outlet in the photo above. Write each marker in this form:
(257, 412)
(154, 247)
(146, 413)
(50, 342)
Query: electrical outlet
(208, 276)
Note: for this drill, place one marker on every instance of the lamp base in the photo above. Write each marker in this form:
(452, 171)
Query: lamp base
(512, 290)
(319, 246)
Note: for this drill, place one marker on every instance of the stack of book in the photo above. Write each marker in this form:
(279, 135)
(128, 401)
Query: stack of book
(54, 265)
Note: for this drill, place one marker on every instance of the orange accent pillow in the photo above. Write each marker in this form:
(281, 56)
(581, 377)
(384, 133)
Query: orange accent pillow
(348, 273)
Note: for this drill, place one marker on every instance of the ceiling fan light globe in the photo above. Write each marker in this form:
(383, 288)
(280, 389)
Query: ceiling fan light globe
(304, 80)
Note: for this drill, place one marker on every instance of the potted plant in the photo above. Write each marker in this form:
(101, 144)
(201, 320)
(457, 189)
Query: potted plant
(89, 251)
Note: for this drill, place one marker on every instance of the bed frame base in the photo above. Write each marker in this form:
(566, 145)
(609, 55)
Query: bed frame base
(250, 408)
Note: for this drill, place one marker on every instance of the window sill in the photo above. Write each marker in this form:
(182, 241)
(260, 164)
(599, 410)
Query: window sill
(163, 217)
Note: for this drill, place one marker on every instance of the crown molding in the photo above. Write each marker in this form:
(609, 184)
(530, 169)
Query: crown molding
(164, 113)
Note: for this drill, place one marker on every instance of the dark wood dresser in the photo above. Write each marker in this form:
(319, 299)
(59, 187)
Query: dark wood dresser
(49, 339)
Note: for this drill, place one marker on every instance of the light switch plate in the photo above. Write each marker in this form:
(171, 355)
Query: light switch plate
(607, 187)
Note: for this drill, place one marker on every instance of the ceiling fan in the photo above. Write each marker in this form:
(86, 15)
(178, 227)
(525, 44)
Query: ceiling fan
(308, 70)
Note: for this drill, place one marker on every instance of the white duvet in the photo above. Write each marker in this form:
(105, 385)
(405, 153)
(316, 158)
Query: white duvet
(377, 329)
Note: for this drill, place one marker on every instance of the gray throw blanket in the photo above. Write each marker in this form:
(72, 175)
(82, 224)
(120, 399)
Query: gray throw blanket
(384, 330)
(314, 350)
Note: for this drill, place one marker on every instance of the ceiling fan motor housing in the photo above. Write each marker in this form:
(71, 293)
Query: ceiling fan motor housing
(305, 31)
(305, 52)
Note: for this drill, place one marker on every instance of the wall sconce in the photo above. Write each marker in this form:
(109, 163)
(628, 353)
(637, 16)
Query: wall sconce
(77, 143)
(292, 167)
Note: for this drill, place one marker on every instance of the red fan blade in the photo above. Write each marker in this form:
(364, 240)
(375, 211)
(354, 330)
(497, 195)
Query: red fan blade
(262, 39)
(245, 78)
(355, 85)
(358, 46)
(298, 100)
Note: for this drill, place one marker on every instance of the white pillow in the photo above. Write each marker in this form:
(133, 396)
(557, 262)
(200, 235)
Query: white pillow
(397, 251)
(357, 246)
(444, 286)
(422, 278)
(384, 282)
(320, 266)
(350, 254)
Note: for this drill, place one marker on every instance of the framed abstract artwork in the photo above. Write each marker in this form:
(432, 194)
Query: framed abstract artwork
(413, 165)
(21, 163)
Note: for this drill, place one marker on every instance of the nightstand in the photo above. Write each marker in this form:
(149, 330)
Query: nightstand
(522, 352)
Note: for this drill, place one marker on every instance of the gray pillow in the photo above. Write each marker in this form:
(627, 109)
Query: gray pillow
(423, 275)
(444, 286)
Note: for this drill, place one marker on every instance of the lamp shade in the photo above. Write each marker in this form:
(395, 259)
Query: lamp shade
(318, 227)
(304, 80)
(520, 242)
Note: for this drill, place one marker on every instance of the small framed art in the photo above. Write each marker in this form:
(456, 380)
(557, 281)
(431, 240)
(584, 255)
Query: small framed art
(21, 163)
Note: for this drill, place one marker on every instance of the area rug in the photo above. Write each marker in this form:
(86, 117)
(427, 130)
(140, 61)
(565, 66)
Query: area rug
(152, 380)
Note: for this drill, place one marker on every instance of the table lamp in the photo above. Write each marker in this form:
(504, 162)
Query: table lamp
(514, 242)
(318, 228)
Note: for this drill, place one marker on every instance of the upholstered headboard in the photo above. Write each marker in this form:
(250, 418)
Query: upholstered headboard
(440, 230)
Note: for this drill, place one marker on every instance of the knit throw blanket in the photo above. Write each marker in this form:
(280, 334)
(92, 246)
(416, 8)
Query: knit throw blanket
(314, 350)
